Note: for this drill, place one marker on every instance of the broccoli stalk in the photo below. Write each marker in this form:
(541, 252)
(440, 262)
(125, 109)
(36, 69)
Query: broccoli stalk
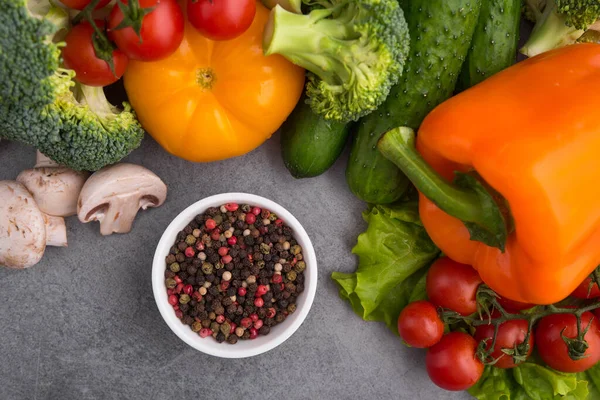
(41, 104)
(559, 23)
(294, 6)
(355, 52)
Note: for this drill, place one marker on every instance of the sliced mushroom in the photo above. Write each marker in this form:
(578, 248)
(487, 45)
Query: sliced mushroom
(54, 188)
(23, 237)
(114, 194)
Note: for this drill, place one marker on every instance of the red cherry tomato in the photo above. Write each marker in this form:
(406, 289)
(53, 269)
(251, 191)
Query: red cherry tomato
(161, 32)
(552, 348)
(81, 4)
(452, 364)
(510, 333)
(453, 285)
(420, 325)
(221, 19)
(80, 56)
(584, 291)
(513, 306)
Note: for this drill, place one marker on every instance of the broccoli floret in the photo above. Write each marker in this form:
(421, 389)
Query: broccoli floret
(41, 104)
(560, 23)
(533, 9)
(355, 51)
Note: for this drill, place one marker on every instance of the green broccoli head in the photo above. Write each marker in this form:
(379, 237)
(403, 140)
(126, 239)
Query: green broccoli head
(41, 104)
(559, 23)
(355, 52)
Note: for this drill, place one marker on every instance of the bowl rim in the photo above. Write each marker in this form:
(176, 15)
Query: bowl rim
(208, 345)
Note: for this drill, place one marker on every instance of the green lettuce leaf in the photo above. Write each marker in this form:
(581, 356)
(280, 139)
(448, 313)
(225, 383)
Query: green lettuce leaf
(531, 381)
(393, 255)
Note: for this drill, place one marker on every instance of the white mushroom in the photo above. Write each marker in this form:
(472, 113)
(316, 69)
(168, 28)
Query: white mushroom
(23, 236)
(41, 160)
(114, 194)
(54, 188)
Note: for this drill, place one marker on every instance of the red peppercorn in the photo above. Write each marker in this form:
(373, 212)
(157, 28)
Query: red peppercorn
(232, 241)
(278, 222)
(258, 324)
(188, 289)
(233, 326)
(189, 252)
(241, 291)
(210, 224)
(265, 214)
(176, 307)
(223, 251)
(220, 319)
(197, 296)
(231, 207)
(243, 246)
(263, 230)
(256, 210)
(179, 288)
(173, 300)
(215, 235)
(179, 314)
(224, 285)
(205, 332)
(261, 290)
(294, 261)
(250, 218)
(170, 292)
(254, 317)
(177, 279)
(250, 257)
(271, 313)
(246, 322)
(253, 333)
(281, 286)
(226, 259)
(277, 278)
(199, 246)
(259, 302)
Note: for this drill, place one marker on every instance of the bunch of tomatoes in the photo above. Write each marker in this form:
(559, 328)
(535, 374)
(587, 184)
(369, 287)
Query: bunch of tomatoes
(456, 360)
(144, 30)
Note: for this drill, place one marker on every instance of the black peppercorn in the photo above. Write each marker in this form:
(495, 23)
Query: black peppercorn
(262, 313)
(170, 259)
(231, 291)
(181, 246)
(232, 339)
(183, 275)
(246, 335)
(220, 337)
(279, 318)
(283, 303)
(180, 257)
(264, 330)
(241, 300)
(267, 297)
(187, 320)
(231, 309)
(200, 279)
(174, 250)
(299, 288)
(169, 274)
(226, 301)
(192, 269)
(210, 278)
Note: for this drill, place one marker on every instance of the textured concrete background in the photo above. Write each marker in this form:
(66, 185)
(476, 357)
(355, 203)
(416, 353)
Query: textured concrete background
(83, 324)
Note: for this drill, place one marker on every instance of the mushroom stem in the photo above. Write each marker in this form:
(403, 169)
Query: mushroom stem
(56, 231)
(42, 160)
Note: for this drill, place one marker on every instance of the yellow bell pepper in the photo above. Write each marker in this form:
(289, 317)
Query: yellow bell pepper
(214, 100)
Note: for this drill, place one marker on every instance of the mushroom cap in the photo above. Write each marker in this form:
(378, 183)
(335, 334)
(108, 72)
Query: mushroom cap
(22, 227)
(113, 195)
(55, 189)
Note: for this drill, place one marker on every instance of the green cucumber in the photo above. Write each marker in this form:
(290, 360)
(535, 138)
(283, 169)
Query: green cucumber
(441, 33)
(495, 41)
(310, 145)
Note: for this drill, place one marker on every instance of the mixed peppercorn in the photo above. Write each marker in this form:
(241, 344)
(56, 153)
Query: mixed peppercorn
(234, 272)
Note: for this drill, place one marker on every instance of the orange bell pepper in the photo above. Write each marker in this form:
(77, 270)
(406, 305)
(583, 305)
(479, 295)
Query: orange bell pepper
(532, 134)
(214, 100)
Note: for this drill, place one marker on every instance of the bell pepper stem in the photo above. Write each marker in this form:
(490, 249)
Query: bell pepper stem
(465, 199)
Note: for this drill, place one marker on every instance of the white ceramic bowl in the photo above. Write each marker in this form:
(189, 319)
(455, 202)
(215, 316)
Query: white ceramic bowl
(243, 348)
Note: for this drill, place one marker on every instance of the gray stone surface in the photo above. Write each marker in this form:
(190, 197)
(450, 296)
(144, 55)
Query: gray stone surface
(82, 324)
